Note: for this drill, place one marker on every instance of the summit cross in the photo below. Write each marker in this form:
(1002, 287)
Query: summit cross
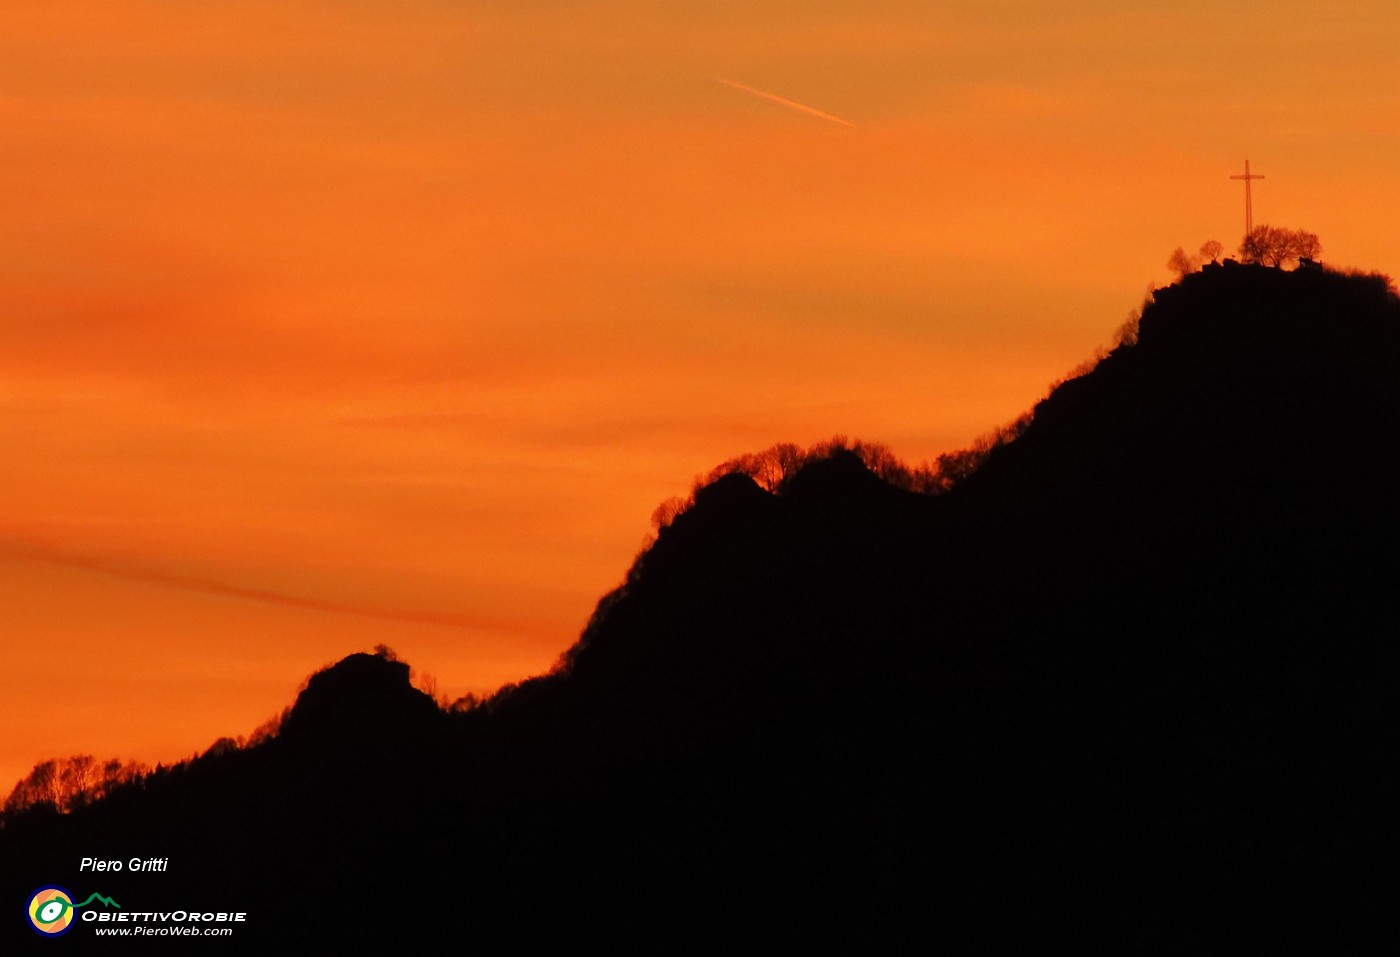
(1248, 202)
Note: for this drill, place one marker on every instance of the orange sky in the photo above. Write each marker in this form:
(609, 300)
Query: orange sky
(332, 323)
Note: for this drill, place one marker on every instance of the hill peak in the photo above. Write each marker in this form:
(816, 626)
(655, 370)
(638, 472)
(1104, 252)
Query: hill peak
(358, 694)
(1232, 301)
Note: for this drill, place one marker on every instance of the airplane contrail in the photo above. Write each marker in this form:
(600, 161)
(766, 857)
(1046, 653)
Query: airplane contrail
(783, 101)
(151, 576)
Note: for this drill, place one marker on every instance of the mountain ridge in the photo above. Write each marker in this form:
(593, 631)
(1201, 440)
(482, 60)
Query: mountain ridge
(1145, 637)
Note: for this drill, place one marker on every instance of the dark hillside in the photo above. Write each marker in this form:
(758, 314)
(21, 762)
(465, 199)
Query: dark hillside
(1132, 678)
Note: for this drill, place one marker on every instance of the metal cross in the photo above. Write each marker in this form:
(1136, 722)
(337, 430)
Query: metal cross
(1248, 203)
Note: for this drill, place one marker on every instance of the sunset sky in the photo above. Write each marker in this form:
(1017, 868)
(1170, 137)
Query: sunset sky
(334, 323)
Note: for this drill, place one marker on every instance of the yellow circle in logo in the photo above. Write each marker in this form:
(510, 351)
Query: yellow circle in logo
(51, 911)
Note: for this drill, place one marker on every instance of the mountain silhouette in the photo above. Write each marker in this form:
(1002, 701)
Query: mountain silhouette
(361, 695)
(1129, 683)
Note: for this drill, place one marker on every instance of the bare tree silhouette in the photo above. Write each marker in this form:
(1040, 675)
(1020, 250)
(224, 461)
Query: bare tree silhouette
(1278, 247)
(1181, 263)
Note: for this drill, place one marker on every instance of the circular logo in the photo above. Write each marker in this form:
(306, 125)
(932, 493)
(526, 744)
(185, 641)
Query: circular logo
(51, 911)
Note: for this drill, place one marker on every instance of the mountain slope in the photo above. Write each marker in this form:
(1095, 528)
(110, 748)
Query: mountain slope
(1132, 671)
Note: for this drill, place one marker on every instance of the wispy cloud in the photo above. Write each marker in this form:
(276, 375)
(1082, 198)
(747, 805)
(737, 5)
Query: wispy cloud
(784, 101)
